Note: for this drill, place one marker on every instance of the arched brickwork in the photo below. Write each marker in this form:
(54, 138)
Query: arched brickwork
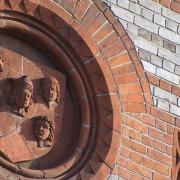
(88, 47)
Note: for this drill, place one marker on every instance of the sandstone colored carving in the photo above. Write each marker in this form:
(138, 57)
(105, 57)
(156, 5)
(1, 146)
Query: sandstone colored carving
(51, 90)
(21, 95)
(43, 131)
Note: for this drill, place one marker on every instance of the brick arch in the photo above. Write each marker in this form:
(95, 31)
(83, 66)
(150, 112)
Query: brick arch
(108, 58)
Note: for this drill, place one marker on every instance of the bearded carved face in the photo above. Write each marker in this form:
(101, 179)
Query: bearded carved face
(51, 90)
(21, 97)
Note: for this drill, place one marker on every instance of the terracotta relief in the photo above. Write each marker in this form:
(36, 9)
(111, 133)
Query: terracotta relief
(43, 131)
(21, 95)
(176, 155)
(51, 90)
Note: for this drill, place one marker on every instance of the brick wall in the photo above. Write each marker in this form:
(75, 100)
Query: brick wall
(155, 31)
(154, 28)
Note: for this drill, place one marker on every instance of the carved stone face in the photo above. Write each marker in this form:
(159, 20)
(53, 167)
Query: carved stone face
(51, 89)
(22, 97)
(42, 130)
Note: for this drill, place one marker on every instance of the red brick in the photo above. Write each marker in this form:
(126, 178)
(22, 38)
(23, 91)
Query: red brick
(61, 12)
(164, 137)
(124, 69)
(148, 98)
(114, 50)
(165, 85)
(124, 173)
(127, 78)
(90, 15)
(110, 16)
(175, 6)
(162, 115)
(136, 135)
(170, 129)
(133, 123)
(163, 169)
(139, 169)
(169, 150)
(136, 62)
(82, 8)
(134, 146)
(97, 23)
(125, 131)
(153, 79)
(132, 98)
(145, 118)
(103, 32)
(129, 88)
(125, 152)
(158, 156)
(157, 176)
(101, 5)
(109, 41)
(165, 3)
(176, 90)
(86, 37)
(119, 29)
(159, 146)
(120, 59)
(122, 162)
(149, 163)
(133, 107)
(127, 42)
(161, 125)
(147, 140)
(136, 157)
(136, 177)
(69, 5)
(145, 85)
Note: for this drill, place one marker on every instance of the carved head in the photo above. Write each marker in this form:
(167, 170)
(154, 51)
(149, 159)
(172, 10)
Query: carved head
(22, 90)
(44, 131)
(51, 90)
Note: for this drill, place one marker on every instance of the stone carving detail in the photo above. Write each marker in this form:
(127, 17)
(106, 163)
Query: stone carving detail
(176, 156)
(51, 90)
(43, 131)
(21, 95)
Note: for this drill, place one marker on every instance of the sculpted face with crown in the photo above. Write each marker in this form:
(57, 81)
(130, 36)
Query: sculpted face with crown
(21, 99)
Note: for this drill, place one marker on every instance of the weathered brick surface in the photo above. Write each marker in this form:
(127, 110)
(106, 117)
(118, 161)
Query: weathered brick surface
(154, 29)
